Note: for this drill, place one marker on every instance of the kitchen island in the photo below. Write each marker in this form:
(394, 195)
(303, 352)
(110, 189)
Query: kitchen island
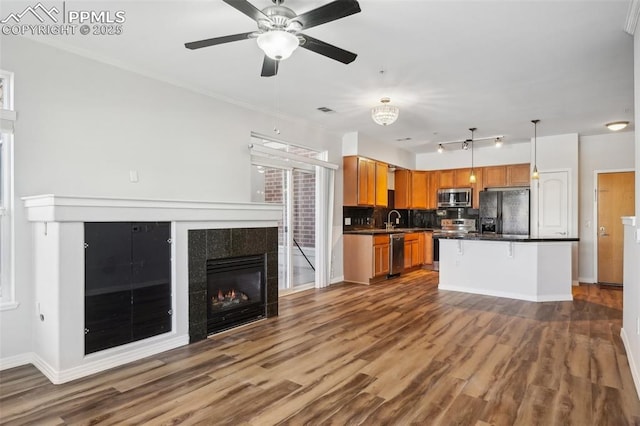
(513, 266)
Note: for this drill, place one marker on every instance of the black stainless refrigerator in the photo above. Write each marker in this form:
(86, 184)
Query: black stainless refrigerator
(504, 212)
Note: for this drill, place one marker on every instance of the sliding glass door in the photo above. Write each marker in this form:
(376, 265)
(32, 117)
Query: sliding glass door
(295, 190)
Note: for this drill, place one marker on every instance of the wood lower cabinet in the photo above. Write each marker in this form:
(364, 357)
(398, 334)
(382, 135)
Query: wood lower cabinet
(428, 248)
(366, 257)
(127, 282)
(381, 255)
(413, 249)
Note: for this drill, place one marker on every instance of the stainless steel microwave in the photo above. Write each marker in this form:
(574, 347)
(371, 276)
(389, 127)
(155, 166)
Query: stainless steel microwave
(454, 197)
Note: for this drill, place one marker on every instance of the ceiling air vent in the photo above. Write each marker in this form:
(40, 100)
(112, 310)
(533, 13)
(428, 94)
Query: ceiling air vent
(403, 139)
(325, 110)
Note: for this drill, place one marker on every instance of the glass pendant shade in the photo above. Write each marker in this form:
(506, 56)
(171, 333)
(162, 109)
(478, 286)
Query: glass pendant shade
(385, 114)
(535, 174)
(472, 177)
(278, 44)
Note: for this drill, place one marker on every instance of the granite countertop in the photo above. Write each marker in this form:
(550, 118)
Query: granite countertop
(388, 231)
(501, 237)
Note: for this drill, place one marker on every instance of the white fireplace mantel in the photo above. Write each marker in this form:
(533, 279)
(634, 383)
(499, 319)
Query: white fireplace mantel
(62, 208)
(57, 240)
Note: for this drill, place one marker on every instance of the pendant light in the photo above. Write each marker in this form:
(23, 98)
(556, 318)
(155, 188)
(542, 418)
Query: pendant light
(472, 176)
(535, 174)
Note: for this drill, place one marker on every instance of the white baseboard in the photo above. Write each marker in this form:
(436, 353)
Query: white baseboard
(508, 295)
(633, 364)
(62, 376)
(337, 280)
(16, 361)
(586, 280)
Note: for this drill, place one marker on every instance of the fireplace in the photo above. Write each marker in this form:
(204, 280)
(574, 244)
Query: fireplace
(216, 250)
(235, 291)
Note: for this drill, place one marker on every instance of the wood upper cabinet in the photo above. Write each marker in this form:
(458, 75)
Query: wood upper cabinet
(411, 189)
(382, 194)
(418, 189)
(461, 178)
(446, 178)
(432, 189)
(518, 175)
(402, 189)
(494, 176)
(365, 182)
(508, 175)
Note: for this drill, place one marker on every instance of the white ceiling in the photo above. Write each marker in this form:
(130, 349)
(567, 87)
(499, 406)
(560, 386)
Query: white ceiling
(449, 65)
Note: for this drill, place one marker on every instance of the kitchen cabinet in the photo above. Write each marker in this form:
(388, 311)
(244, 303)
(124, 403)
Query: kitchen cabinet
(428, 248)
(381, 258)
(518, 174)
(506, 175)
(432, 189)
(477, 187)
(365, 182)
(411, 189)
(494, 177)
(413, 252)
(446, 178)
(366, 257)
(461, 178)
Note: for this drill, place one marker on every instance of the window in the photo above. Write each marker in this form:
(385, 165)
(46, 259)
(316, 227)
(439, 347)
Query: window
(7, 118)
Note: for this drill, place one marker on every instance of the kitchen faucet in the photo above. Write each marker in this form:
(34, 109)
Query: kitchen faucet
(389, 223)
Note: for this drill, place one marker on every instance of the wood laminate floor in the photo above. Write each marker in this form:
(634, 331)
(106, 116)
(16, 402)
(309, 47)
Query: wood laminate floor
(396, 353)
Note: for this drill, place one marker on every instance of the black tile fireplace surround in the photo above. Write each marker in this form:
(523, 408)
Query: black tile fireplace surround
(210, 244)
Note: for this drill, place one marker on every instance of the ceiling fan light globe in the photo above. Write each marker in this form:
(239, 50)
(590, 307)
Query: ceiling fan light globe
(278, 44)
(617, 125)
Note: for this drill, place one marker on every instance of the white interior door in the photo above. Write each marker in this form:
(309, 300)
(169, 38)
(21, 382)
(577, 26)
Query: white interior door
(553, 204)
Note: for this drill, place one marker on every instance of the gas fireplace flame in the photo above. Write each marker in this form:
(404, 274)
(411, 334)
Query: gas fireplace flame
(228, 298)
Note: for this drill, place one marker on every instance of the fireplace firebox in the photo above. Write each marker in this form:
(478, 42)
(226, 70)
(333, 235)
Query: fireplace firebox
(236, 288)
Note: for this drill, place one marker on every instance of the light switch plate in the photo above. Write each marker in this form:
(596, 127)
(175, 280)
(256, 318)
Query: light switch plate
(133, 176)
(347, 221)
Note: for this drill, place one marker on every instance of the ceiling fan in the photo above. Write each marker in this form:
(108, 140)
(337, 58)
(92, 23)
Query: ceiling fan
(279, 31)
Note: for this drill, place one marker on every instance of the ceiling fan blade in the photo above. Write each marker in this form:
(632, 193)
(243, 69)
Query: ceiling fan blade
(247, 8)
(216, 40)
(327, 13)
(328, 50)
(269, 67)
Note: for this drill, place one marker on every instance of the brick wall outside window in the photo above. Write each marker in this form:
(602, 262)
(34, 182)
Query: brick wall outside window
(304, 196)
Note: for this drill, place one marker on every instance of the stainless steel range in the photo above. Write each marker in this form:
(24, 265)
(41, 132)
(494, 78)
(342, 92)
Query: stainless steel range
(458, 226)
(451, 227)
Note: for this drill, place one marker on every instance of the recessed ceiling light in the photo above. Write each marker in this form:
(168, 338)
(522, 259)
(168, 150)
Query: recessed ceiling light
(617, 125)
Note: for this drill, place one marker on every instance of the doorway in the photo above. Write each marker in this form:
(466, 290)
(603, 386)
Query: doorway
(615, 198)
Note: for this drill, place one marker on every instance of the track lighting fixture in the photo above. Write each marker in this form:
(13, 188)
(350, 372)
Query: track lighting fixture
(465, 144)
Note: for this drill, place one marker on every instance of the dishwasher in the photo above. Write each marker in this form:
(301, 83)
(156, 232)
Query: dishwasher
(396, 254)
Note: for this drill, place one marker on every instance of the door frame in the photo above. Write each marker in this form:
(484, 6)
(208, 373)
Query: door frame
(594, 221)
